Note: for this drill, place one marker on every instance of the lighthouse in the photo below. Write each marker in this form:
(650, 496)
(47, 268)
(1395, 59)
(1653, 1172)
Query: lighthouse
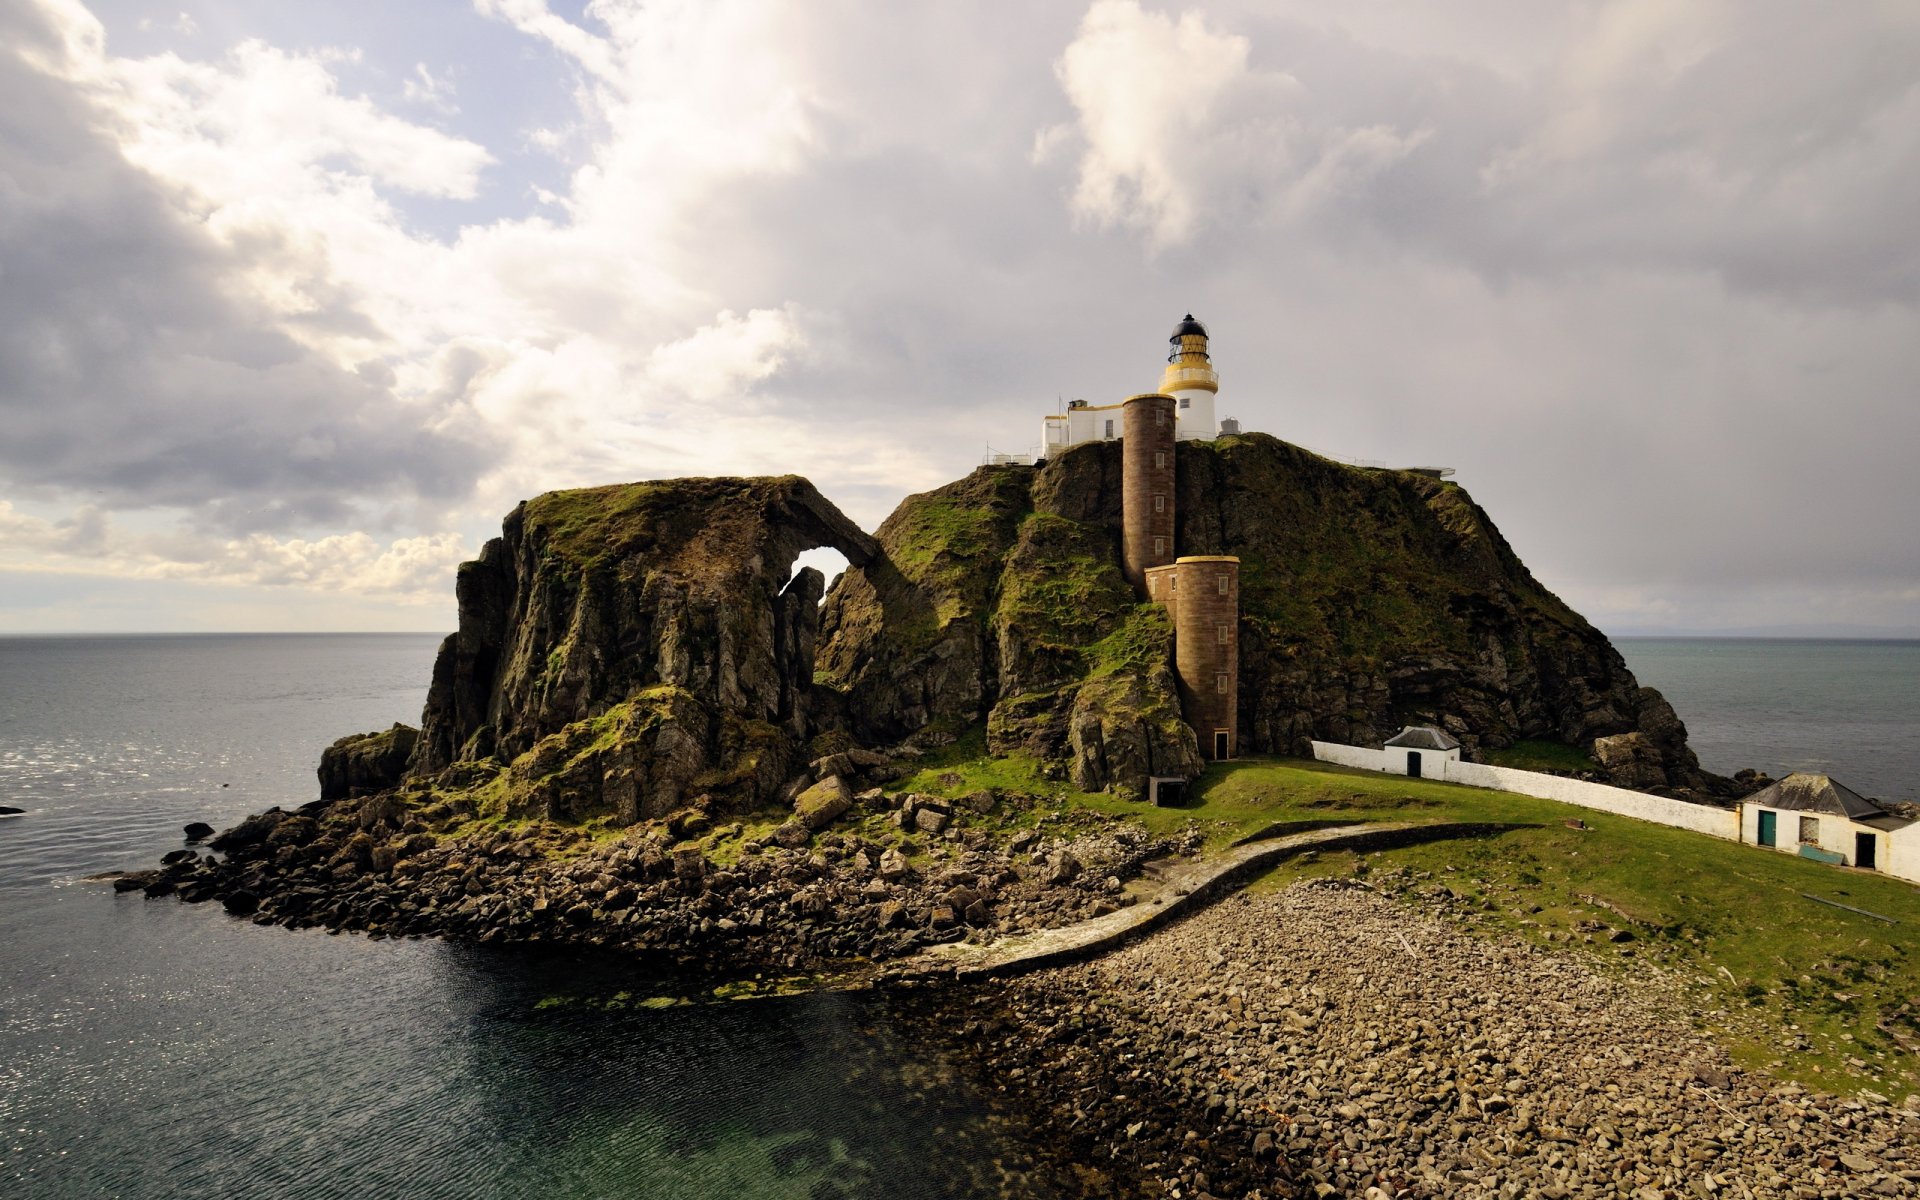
(1192, 382)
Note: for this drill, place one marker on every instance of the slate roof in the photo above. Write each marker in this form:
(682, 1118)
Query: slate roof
(1800, 792)
(1423, 737)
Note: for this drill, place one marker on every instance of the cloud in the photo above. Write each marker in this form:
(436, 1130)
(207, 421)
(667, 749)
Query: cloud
(410, 570)
(434, 91)
(1179, 128)
(1641, 272)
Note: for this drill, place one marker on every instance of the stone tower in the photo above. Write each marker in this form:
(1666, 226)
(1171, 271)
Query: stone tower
(1146, 486)
(1202, 594)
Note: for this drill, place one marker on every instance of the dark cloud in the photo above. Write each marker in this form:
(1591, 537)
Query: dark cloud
(129, 371)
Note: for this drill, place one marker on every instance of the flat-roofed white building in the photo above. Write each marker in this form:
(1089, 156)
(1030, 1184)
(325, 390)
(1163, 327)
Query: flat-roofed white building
(1189, 378)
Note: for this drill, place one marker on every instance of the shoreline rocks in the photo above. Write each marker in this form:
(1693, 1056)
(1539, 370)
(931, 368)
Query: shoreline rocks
(798, 901)
(1325, 1041)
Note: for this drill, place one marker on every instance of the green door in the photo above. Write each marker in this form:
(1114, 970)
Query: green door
(1766, 827)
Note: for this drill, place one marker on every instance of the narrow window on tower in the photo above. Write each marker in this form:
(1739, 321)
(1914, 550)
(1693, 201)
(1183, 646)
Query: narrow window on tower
(1223, 631)
(1223, 585)
(1186, 401)
(1159, 545)
(1160, 418)
(1159, 458)
(1160, 505)
(1220, 684)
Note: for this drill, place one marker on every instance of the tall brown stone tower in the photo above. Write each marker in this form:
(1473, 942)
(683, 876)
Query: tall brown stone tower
(1202, 593)
(1146, 486)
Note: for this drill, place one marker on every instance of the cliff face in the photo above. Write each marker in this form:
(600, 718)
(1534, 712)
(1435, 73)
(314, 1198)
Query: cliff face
(995, 598)
(627, 647)
(1370, 600)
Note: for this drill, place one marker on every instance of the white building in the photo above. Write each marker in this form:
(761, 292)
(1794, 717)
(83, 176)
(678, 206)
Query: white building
(1421, 751)
(1816, 817)
(1189, 378)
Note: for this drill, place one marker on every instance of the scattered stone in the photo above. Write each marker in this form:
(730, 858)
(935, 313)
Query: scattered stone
(823, 803)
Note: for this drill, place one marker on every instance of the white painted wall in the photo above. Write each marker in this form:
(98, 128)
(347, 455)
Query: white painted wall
(1360, 756)
(1898, 849)
(1078, 425)
(1193, 415)
(1717, 822)
(1434, 764)
(1701, 818)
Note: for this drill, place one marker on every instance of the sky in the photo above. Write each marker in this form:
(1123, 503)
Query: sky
(298, 300)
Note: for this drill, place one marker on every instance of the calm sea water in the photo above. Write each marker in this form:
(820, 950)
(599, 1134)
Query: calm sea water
(150, 1048)
(1849, 709)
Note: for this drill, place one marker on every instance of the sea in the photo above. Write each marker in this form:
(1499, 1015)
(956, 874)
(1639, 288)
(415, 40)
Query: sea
(153, 1048)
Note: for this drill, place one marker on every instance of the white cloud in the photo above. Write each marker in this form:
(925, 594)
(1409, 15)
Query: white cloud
(434, 91)
(1565, 247)
(412, 570)
(1180, 130)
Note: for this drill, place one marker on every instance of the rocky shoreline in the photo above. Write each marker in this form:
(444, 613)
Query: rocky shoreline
(1327, 1041)
(795, 899)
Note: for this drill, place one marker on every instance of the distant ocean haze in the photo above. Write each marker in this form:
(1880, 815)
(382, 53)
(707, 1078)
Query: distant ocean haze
(1846, 708)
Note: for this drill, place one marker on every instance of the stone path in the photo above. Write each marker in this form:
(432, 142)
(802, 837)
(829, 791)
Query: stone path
(1185, 887)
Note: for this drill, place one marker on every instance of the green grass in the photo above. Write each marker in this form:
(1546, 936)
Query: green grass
(1783, 981)
(1542, 756)
(1786, 983)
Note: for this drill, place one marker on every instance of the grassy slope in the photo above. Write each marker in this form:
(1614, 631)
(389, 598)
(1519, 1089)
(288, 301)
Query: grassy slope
(1785, 982)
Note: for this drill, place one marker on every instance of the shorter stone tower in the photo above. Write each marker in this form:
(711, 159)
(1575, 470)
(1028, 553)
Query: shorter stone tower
(1146, 486)
(1202, 592)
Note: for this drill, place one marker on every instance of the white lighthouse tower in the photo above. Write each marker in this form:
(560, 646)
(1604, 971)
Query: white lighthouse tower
(1191, 381)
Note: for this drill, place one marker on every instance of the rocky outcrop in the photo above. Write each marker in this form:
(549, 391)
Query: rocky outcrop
(626, 649)
(917, 872)
(366, 762)
(997, 599)
(1371, 599)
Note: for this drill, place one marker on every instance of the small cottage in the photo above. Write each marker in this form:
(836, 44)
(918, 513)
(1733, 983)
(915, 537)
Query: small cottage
(1425, 749)
(1817, 817)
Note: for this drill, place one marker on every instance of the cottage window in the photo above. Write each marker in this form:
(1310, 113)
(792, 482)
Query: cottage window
(1109, 428)
(1810, 830)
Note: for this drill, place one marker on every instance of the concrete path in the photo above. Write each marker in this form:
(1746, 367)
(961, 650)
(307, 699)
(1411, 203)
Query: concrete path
(1186, 886)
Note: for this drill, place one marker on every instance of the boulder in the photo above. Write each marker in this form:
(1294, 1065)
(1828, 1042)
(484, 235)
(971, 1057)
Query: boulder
(366, 762)
(198, 831)
(792, 835)
(688, 823)
(1630, 760)
(249, 833)
(823, 803)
